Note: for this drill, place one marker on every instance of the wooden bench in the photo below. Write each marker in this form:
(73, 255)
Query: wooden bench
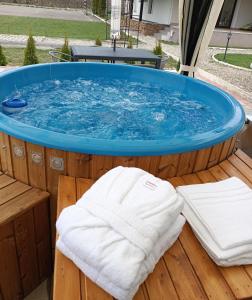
(184, 272)
(25, 252)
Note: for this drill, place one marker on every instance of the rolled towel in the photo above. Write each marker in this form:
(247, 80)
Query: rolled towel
(122, 225)
(221, 216)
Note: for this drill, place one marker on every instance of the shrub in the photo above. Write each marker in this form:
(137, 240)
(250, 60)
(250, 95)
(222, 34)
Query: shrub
(178, 66)
(158, 49)
(130, 43)
(98, 42)
(3, 60)
(30, 57)
(65, 50)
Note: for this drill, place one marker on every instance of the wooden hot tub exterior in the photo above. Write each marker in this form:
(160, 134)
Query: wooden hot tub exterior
(40, 167)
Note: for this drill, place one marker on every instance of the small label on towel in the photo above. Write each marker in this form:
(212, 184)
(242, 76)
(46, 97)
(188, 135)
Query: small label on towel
(150, 185)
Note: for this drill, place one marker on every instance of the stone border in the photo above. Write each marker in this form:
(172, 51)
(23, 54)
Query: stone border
(229, 65)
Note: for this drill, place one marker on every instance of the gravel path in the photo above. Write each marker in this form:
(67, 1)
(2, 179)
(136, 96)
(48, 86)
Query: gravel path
(239, 78)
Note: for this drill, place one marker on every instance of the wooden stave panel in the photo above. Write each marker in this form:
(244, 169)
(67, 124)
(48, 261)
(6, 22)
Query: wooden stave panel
(28, 263)
(19, 162)
(5, 154)
(43, 239)
(36, 167)
(94, 166)
(18, 249)
(9, 263)
(52, 177)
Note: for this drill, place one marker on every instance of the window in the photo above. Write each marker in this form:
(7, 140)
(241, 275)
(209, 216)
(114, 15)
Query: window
(150, 4)
(226, 14)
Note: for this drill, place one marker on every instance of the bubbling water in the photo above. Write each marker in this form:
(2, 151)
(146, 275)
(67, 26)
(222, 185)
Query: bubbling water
(121, 109)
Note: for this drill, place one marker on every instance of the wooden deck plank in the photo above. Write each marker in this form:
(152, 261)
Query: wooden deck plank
(159, 283)
(206, 176)
(249, 270)
(232, 171)
(182, 273)
(241, 166)
(142, 293)
(13, 190)
(66, 274)
(21, 203)
(244, 157)
(5, 180)
(210, 276)
(218, 173)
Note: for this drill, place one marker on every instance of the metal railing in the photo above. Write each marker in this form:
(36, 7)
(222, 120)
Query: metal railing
(56, 56)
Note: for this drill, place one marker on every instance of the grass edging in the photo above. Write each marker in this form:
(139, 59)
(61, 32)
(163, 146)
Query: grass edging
(228, 64)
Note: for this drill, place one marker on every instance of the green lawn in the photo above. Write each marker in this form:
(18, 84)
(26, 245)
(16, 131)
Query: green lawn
(52, 27)
(15, 56)
(171, 63)
(241, 60)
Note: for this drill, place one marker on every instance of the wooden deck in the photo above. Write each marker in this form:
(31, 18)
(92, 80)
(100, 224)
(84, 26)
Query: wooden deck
(25, 252)
(184, 272)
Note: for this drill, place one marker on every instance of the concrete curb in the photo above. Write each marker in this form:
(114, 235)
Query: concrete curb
(229, 65)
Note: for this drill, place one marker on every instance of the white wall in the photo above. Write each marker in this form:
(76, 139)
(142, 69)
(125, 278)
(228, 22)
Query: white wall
(242, 14)
(161, 11)
(175, 12)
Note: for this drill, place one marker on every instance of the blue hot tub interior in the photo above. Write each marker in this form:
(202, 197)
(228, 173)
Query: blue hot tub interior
(116, 110)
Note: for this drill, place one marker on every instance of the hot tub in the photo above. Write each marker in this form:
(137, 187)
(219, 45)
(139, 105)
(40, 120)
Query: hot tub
(106, 115)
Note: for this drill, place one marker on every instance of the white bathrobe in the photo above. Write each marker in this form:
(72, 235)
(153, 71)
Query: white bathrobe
(119, 229)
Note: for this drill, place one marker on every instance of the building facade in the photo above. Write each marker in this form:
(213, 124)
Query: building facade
(162, 15)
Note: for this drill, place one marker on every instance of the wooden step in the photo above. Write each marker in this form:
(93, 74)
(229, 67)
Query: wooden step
(25, 252)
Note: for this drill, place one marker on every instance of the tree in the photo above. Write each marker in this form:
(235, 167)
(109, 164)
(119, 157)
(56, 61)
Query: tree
(102, 8)
(65, 50)
(98, 42)
(130, 43)
(95, 6)
(3, 60)
(158, 49)
(30, 57)
(99, 7)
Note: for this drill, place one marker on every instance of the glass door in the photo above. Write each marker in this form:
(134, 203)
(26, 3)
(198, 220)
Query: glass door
(226, 14)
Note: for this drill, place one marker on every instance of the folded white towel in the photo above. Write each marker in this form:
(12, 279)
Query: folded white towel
(122, 225)
(221, 216)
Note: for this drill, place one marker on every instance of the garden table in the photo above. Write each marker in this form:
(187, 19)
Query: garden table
(120, 54)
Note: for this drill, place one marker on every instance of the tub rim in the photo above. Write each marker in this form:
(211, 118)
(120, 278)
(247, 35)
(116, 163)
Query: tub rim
(81, 144)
